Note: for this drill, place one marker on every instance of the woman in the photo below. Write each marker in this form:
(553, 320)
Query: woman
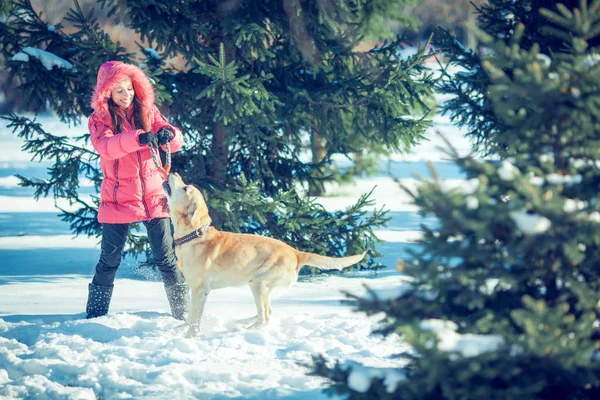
(123, 127)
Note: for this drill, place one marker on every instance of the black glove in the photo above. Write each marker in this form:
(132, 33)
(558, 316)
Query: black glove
(148, 138)
(165, 135)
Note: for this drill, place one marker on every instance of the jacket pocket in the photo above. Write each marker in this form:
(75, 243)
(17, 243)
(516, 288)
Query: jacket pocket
(116, 189)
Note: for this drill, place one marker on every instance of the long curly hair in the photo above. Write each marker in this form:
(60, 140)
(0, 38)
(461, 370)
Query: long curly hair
(118, 114)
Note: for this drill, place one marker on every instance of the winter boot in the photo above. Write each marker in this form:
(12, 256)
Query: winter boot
(98, 300)
(179, 300)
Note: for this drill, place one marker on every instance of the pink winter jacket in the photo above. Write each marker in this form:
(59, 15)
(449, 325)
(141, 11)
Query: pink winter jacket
(131, 190)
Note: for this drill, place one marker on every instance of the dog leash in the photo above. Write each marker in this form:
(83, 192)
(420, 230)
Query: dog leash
(167, 168)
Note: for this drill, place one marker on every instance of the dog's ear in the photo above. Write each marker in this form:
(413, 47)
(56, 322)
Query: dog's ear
(198, 212)
(192, 215)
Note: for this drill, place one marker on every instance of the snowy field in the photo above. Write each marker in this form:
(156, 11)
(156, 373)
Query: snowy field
(48, 350)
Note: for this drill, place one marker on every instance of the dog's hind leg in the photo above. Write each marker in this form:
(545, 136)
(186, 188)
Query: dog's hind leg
(198, 301)
(268, 312)
(250, 319)
(267, 303)
(258, 291)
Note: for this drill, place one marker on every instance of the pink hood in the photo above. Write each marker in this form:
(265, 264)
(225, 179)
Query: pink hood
(109, 75)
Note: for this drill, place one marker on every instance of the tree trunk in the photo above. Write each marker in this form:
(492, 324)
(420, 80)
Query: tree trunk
(472, 21)
(319, 151)
(218, 147)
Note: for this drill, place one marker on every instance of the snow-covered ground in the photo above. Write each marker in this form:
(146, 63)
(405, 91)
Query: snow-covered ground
(48, 350)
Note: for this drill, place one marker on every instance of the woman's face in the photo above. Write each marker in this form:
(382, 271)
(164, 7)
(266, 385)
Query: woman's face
(123, 94)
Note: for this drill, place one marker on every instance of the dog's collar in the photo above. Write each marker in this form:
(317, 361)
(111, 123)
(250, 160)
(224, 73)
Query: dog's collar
(191, 236)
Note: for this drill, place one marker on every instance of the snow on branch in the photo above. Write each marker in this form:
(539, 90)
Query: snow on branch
(48, 60)
(467, 345)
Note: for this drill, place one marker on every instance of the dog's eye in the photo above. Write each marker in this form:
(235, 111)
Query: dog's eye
(185, 188)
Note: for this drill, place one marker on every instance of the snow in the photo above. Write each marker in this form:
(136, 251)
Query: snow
(466, 187)
(387, 193)
(13, 182)
(22, 57)
(544, 60)
(152, 53)
(139, 350)
(359, 378)
(490, 286)
(507, 171)
(15, 204)
(466, 345)
(9, 181)
(398, 236)
(536, 180)
(591, 60)
(530, 224)
(438, 325)
(472, 202)
(594, 216)
(572, 205)
(557, 179)
(29, 242)
(48, 60)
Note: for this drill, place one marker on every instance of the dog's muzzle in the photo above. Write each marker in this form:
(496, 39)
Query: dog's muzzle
(167, 188)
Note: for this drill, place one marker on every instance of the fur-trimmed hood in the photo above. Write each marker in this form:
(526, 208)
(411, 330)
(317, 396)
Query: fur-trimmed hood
(110, 74)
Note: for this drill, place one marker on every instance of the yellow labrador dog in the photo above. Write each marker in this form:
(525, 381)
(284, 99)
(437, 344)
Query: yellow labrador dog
(210, 259)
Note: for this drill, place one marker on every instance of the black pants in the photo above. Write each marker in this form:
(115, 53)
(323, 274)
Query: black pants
(161, 243)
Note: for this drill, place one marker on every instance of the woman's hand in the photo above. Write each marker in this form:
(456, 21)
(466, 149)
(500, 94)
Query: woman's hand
(165, 135)
(149, 138)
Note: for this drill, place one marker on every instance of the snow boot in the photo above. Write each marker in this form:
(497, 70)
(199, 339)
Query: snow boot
(98, 300)
(179, 299)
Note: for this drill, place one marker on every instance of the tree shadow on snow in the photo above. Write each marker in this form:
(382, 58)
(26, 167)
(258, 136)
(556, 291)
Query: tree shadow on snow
(314, 394)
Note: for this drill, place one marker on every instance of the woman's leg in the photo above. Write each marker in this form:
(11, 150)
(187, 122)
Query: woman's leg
(113, 243)
(161, 243)
(111, 251)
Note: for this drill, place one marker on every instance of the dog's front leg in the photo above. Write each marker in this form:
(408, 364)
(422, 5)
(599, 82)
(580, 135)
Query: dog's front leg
(199, 296)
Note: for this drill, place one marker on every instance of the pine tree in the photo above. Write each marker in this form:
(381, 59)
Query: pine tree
(469, 106)
(504, 301)
(249, 82)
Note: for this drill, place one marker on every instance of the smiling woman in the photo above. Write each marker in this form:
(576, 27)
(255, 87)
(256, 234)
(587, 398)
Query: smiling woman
(124, 128)
(123, 94)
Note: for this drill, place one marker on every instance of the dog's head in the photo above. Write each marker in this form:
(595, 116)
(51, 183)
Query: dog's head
(186, 203)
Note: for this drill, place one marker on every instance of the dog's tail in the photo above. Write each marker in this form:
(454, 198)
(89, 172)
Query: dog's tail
(323, 262)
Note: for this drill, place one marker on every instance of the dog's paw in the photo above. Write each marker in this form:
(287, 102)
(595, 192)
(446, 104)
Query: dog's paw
(257, 326)
(191, 333)
(246, 320)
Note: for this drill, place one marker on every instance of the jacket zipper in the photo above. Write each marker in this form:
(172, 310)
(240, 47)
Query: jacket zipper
(116, 168)
(143, 186)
